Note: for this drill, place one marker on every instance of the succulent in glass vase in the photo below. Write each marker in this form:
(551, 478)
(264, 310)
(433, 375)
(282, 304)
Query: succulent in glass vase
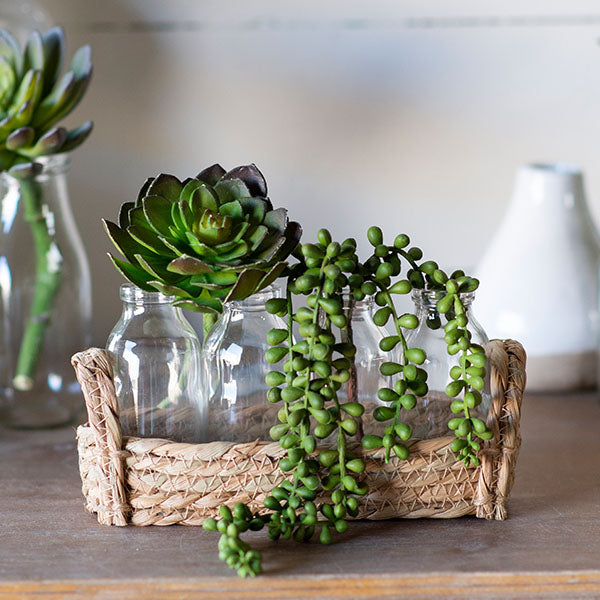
(35, 95)
(207, 240)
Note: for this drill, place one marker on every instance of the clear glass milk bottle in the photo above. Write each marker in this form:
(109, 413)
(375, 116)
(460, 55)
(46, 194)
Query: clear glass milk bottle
(156, 360)
(430, 417)
(234, 370)
(45, 298)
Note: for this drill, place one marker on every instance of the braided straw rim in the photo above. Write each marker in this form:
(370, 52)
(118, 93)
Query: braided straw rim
(144, 481)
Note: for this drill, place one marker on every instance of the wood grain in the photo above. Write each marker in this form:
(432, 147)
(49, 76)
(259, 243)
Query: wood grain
(548, 548)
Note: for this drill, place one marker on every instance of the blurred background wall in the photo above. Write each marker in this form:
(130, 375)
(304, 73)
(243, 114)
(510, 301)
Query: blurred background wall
(411, 115)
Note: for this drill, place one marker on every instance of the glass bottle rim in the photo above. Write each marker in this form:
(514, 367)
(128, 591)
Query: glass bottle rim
(55, 164)
(134, 295)
(365, 304)
(423, 297)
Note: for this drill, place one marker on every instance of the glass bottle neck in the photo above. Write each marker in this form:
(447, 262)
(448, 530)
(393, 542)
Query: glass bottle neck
(426, 301)
(254, 303)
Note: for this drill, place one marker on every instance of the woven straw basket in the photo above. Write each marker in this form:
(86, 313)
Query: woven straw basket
(141, 481)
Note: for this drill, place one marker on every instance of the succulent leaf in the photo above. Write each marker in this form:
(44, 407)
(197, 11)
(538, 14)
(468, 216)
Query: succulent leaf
(77, 136)
(211, 175)
(20, 138)
(136, 275)
(34, 97)
(206, 240)
(34, 53)
(9, 48)
(54, 49)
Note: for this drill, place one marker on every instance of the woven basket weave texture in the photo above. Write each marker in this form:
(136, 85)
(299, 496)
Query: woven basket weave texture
(143, 481)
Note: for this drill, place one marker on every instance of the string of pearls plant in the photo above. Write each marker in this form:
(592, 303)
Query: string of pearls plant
(323, 435)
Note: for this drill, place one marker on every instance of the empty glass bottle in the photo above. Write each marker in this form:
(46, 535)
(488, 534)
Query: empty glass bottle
(156, 360)
(430, 417)
(235, 369)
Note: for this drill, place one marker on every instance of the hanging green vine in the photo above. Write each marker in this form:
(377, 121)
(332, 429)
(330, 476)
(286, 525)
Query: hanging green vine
(321, 433)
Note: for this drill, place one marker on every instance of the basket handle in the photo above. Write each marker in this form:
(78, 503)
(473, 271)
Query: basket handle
(94, 374)
(496, 476)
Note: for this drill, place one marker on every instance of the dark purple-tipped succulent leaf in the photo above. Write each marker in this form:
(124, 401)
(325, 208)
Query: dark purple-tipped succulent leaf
(212, 174)
(124, 214)
(176, 246)
(270, 277)
(231, 189)
(123, 242)
(255, 208)
(251, 176)
(269, 248)
(20, 138)
(146, 237)
(157, 211)
(167, 186)
(188, 265)
(143, 191)
(156, 267)
(50, 142)
(77, 136)
(276, 219)
(245, 285)
(135, 275)
(293, 233)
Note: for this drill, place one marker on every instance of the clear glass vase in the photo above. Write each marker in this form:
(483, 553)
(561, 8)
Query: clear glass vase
(156, 360)
(45, 299)
(235, 370)
(429, 419)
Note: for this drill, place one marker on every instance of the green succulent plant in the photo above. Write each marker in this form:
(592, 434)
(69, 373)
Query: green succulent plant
(34, 97)
(206, 240)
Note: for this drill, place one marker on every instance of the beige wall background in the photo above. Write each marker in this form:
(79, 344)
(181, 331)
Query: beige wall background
(411, 115)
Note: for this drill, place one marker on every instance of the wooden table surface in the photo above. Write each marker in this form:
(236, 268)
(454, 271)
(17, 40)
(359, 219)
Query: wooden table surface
(548, 548)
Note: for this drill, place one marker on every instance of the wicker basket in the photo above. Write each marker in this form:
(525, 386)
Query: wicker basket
(141, 481)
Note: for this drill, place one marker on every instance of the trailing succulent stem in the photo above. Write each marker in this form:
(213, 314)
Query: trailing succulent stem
(325, 479)
(48, 271)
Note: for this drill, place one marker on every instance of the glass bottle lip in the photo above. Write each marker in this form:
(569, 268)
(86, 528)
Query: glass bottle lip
(365, 304)
(55, 164)
(134, 295)
(431, 297)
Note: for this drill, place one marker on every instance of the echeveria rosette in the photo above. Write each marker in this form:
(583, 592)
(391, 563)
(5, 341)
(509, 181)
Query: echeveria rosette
(34, 97)
(207, 240)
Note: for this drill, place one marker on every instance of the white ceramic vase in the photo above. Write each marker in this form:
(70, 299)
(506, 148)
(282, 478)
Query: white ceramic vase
(539, 278)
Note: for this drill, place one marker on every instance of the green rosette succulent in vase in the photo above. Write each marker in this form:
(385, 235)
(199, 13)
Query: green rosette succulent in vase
(207, 240)
(40, 248)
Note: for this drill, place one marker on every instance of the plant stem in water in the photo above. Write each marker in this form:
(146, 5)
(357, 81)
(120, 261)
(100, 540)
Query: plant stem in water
(48, 271)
